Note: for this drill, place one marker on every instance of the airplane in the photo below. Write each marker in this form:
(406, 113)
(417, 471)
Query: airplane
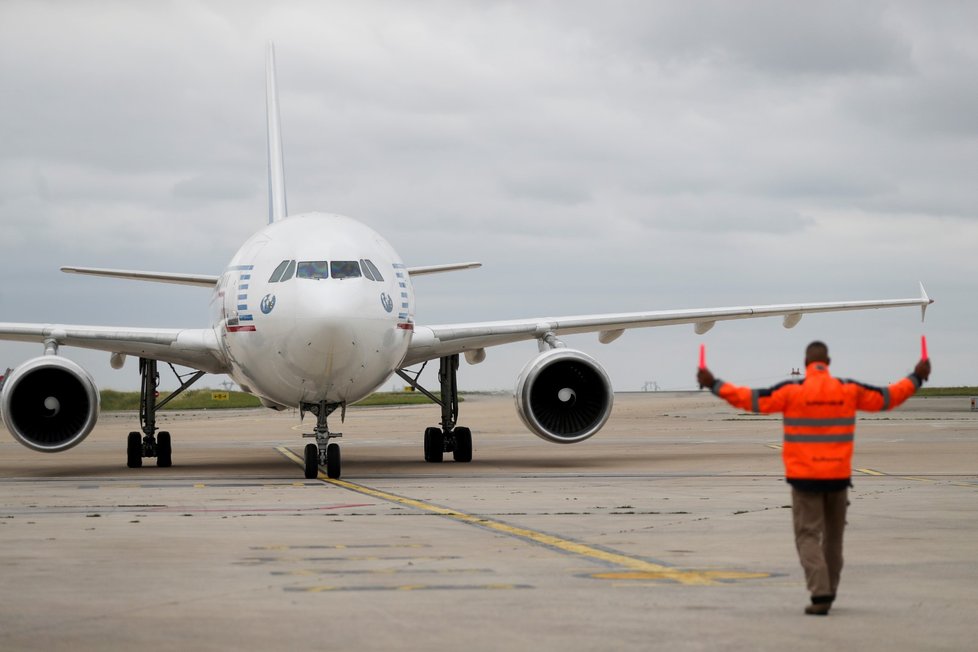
(316, 311)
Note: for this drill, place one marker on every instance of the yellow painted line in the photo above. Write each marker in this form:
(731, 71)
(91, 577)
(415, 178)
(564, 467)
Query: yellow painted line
(870, 472)
(776, 447)
(298, 460)
(200, 486)
(651, 570)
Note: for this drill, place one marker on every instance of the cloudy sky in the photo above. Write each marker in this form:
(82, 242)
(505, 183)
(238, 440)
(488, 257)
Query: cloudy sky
(596, 157)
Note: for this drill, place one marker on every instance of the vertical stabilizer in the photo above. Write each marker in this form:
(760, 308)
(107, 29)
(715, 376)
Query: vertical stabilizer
(277, 209)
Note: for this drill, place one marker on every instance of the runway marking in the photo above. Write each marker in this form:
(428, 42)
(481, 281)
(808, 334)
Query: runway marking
(776, 447)
(656, 575)
(342, 546)
(639, 568)
(182, 484)
(255, 561)
(409, 587)
(250, 510)
(915, 478)
(383, 571)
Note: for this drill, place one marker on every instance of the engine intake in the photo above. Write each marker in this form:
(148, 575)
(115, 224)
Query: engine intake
(49, 403)
(564, 396)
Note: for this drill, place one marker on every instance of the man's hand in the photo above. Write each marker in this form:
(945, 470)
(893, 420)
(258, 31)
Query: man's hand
(922, 370)
(706, 379)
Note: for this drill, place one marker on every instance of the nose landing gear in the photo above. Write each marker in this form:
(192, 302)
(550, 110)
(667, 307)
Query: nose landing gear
(322, 453)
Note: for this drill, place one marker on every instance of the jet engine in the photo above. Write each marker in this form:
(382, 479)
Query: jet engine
(564, 396)
(49, 403)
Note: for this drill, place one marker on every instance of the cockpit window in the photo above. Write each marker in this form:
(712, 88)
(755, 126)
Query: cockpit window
(373, 270)
(366, 270)
(322, 269)
(314, 269)
(345, 269)
(289, 271)
(277, 274)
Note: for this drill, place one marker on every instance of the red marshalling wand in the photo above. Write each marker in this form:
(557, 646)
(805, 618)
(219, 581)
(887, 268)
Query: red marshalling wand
(702, 356)
(923, 347)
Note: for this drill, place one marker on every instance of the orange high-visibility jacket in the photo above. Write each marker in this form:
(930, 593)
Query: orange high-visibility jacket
(819, 417)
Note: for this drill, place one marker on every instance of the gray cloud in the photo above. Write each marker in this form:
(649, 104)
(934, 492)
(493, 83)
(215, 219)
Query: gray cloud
(706, 153)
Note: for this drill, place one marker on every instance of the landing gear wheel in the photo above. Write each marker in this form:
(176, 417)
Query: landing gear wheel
(312, 461)
(463, 445)
(333, 461)
(434, 445)
(163, 450)
(134, 450)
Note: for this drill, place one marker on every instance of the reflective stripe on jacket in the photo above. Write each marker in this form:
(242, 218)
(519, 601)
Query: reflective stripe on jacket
(819, 417)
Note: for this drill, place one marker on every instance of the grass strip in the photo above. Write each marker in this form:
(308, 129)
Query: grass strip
(212, 399)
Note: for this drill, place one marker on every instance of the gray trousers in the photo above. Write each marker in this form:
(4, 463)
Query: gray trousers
(819, 520)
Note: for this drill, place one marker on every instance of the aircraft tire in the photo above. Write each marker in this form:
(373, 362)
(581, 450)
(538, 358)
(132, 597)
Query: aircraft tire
(312, 461)
(134, 450)
(434, 445)
(463, 445)
(333, 461)
(164, 450)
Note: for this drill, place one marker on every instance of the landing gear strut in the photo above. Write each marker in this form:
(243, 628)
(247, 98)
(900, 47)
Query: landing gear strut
(322, 453)
(151, 444)
(449, 438)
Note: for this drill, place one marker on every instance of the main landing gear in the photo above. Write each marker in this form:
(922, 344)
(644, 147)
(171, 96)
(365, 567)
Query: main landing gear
(449, 438)
(322, 453)
(151, 443)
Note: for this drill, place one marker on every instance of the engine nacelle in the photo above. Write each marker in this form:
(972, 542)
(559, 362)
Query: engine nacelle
(564, 396)
(49, 403)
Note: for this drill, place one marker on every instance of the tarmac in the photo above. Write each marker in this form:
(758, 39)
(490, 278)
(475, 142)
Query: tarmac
(669, 529)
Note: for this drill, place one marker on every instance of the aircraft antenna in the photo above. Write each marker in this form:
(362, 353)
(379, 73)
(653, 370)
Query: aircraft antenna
(277, 208)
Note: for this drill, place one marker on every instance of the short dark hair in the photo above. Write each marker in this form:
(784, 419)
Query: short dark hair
(817, 351)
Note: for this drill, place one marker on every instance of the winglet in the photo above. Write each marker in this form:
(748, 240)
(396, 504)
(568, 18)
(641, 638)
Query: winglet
(925, 301)
(276, 162)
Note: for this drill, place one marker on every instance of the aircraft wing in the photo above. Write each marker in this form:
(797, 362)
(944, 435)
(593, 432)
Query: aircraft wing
(430, 342)
(198, 348)
(200, 280)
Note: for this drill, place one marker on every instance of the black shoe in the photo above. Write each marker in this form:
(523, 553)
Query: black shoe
(820, 605)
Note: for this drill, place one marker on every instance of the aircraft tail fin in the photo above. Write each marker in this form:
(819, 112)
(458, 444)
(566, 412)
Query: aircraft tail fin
(277, 208)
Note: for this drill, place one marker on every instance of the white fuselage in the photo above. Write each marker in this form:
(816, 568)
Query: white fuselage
(303, 317)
